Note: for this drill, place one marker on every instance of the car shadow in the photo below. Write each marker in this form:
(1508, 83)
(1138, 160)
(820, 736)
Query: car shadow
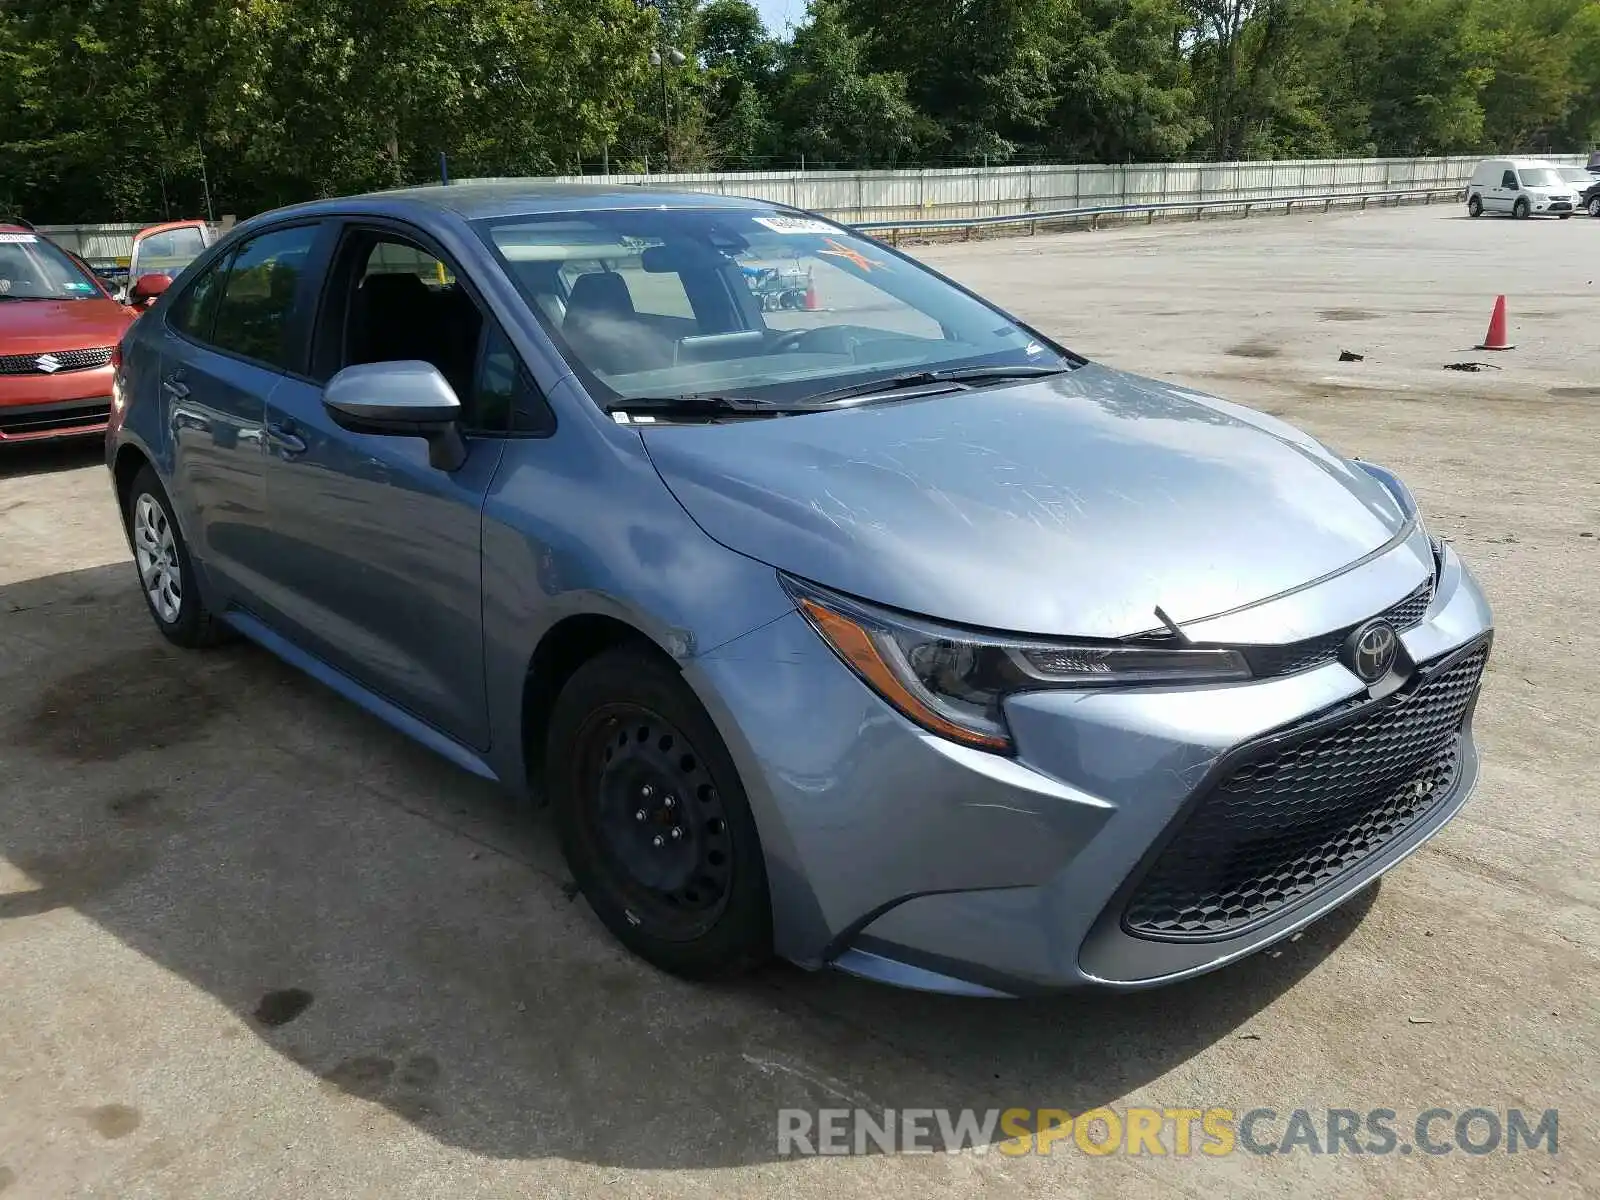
(401, 932)
(18, 459)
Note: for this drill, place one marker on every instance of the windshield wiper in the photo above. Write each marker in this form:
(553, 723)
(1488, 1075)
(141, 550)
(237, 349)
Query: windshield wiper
(960, 375)
(695, 405)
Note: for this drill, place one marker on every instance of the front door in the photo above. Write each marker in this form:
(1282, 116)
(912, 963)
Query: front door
(377, 568)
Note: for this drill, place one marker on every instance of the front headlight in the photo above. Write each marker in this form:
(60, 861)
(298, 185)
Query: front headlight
(952, 681)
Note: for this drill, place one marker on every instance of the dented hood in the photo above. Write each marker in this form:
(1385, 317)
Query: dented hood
(1069, 505)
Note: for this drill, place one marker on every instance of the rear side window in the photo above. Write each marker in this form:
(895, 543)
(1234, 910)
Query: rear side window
(196, 309)
(258, 297)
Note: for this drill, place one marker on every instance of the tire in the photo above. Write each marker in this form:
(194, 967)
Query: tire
(1594, 207)
(1521, 208)
(1475, 206)
(633, 757)
(165, 571)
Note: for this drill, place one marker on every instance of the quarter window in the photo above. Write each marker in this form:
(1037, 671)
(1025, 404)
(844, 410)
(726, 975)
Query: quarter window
(252, 317)
(196, 309)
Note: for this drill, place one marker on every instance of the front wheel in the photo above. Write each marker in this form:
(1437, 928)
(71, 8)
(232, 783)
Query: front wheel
(653, 819)
(1475, 207)
(1521, 209)
(1594, 207)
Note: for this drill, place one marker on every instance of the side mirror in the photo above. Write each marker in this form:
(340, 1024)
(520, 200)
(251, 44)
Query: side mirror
(147, 287)
(400, 399)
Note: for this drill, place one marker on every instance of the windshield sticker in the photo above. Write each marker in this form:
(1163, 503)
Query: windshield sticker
(795, 225)
(855, 257)
(11, 239)
(80, 287)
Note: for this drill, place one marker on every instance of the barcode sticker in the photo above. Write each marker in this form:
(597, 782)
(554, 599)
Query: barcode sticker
(13, 238)
(795, 225)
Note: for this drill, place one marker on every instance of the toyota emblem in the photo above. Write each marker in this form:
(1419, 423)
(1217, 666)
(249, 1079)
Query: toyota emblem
(1370, 651)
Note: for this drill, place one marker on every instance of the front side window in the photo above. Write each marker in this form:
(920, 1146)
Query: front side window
(1509, 180)
(258, 297)
(762, 304)
(32, 268)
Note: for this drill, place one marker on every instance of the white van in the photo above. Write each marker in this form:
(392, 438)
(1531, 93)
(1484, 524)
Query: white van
(1519, 186)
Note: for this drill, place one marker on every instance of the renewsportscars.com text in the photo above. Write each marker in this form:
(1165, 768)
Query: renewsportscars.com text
(1209, 1132)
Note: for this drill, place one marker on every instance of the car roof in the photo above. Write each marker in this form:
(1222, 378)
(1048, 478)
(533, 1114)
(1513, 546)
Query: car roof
(475, 198)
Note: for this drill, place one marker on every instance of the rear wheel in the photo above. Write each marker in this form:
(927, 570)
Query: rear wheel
(1521, 208)
(166, 573)
(653, 819)
(1594, 207)
(1475, 207)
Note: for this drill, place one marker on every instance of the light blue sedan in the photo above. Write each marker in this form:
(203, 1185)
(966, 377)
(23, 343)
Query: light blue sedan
(882, 633)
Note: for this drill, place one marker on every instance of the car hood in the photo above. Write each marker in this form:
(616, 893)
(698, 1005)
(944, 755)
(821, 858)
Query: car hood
(34, 326)
(1069, 505)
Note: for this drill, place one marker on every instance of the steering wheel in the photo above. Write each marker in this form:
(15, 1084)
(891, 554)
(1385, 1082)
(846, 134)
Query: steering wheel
(795, 339)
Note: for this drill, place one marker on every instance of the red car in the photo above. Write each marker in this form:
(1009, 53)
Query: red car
(58, 327)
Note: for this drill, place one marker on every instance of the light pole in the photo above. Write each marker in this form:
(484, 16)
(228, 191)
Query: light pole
(661, 58)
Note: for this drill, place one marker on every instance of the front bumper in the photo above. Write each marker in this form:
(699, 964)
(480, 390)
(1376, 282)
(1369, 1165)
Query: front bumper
(69, 404)
(896, 854)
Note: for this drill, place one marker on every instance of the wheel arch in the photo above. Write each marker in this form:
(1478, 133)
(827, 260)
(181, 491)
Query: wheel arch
(564, 647)
(124, 468)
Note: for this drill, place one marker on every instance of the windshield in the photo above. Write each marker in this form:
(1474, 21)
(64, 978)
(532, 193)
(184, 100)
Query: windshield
(33, 269)
(750, 303)
(1540, 177)
(1576, 175)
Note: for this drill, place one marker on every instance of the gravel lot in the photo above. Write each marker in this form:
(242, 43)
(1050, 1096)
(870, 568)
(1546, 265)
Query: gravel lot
(252, 943)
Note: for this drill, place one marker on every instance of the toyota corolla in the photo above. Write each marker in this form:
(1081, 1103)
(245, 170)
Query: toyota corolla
(878, 631)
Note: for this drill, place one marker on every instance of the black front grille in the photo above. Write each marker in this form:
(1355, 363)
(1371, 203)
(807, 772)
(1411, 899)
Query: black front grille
(1292, 818)
(1266, 661)
(66, 360)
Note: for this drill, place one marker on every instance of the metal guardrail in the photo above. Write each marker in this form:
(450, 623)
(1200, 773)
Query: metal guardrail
(1092, 213)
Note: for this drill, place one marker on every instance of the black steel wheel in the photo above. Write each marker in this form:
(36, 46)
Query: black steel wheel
(653, 820)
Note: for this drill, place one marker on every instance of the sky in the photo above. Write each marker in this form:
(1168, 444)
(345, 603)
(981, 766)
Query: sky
(780, 14)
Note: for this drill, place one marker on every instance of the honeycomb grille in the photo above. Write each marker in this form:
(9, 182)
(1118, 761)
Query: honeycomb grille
(1266, 661)
(1283, 825)
(68, 360)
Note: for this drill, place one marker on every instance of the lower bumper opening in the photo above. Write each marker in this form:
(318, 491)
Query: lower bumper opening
(1288, 817)
(21, 421)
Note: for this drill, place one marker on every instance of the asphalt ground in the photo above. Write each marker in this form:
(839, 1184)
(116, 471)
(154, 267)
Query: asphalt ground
(252, 943)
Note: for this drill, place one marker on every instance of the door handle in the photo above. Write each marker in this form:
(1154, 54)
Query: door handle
(285, 441)
(175, 387)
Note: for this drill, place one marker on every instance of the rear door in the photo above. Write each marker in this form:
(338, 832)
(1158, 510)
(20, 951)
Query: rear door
(1505, 195)
(234, 336)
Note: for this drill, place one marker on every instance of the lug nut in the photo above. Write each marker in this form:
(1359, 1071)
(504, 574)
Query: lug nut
(647, 791)
(671, 801)
(658, 841)
(639, 816)
(677, 832)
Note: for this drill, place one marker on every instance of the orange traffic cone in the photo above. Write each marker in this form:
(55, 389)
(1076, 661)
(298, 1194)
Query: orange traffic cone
(811, 304)
(1495, 339)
